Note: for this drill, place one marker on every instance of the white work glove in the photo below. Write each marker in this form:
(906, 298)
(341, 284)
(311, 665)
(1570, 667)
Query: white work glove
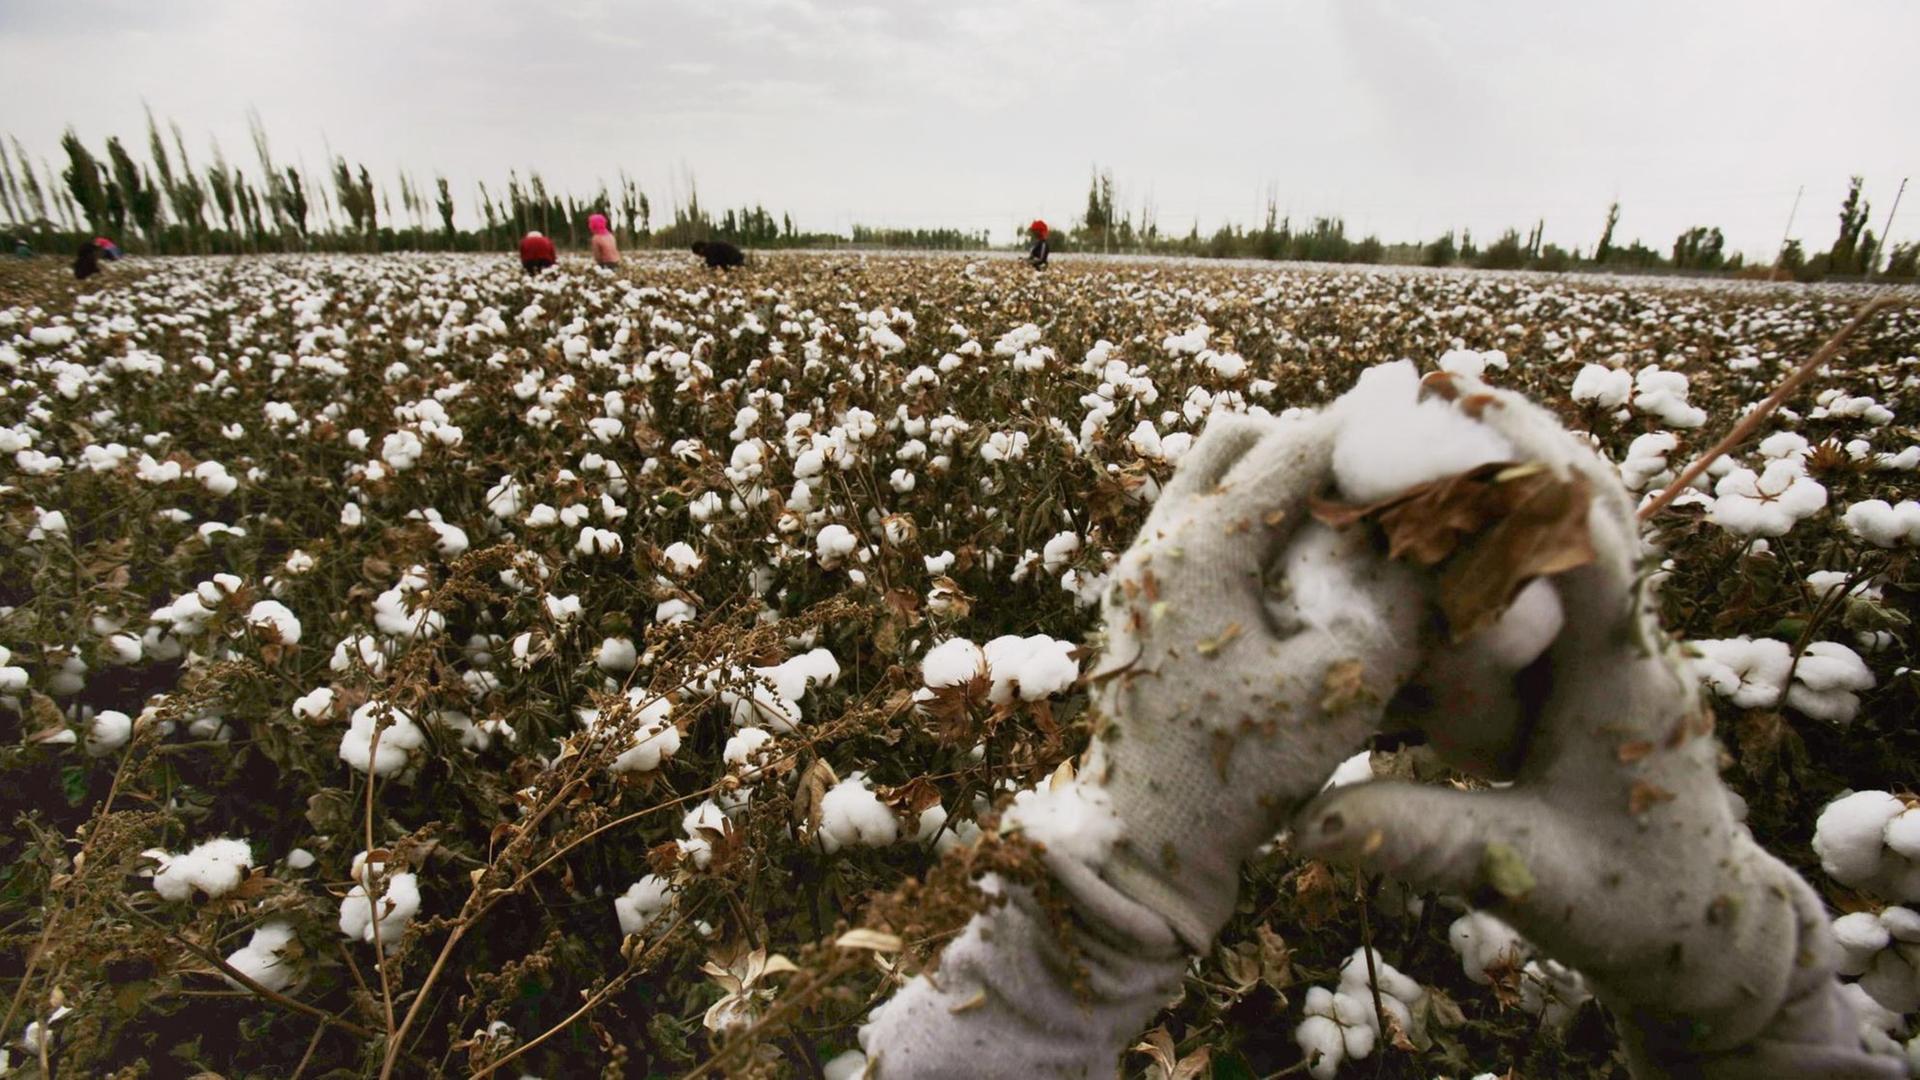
(1617, 850)
(1248, 651)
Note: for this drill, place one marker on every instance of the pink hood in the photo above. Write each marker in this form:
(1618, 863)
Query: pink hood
(597, 224)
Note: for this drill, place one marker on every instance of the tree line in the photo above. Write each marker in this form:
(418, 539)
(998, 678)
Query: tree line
(168, 205)
(1856, 252)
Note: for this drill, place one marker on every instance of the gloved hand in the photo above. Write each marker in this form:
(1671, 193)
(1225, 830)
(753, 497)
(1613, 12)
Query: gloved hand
(1617, 851)
(1248, 651)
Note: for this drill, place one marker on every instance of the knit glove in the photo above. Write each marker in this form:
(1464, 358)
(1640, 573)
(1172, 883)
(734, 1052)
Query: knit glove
(1617, 850)
(1248, 651)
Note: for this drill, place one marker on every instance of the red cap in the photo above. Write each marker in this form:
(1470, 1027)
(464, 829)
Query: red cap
(1039, 226)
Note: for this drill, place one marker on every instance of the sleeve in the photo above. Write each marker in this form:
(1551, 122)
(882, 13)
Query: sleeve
(1011, 998)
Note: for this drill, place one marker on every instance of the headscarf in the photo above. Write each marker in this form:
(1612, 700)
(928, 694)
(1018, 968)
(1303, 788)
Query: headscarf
(1039, 228)
(597, 224)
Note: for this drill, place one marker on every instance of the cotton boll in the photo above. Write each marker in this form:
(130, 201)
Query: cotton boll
(1849, 836)
(1320, 1042)
(1485, 943)
(1357, 769)
(1070, 818)
(108, 732)
(399, 739)
(1752, 674)
(398, 903)
(681, 559)
(1388, 440)
(1768, 503)
(1884, 525)
(268, 957)
(1902, 834)
(1892, 981)
(616, 655)
(275, 622)
(643, 903)
(1860, 936)
(1059, 551)
(655, 738)
(214, 869)
(1601, 387)
(1824, 681)
(1553, 992)
(851, 814)
(1032, 667)
(745, 749)
(951, 663)
(851, 1065)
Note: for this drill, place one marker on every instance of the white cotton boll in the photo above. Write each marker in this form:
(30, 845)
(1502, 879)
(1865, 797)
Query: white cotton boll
(1071, 818)
(123, 649)
(1824, 681)
(398, 903)
(1663, 395)
(1032, 667)
(1466, 362)
(952, 662)
(108, 732)
(643, 903)
(1884, 525)
(274, 618)
(1357, 769)
(1602, 387)
(616, 655)
(851, 814)
(1902, 834)
(682, 559)
(1892, 981)
(1768, 503)
(594, 541)
(314, 705)
(399, 738)
(563, 610)
(673, 610)
(834, 544)
(1860, 935)
(1388, 440)
(1484, 942)
(1849, 835)
(265, 959)
(655, 738)
(1553, 992)
(1321, 1043)
(351, 516)
(851, 1065)
(745, 749)
(299, 859)
(1059, 551)
(214, 869)
(1646, 459)
(1525, 629)
(1750, 673)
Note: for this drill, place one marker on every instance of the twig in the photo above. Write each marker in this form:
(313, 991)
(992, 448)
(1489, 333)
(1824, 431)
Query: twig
(1753, 420)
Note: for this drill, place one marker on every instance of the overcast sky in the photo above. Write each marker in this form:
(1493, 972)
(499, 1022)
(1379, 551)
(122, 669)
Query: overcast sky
(1404, 118)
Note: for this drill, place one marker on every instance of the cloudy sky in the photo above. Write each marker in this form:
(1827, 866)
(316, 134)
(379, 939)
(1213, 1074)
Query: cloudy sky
(1405, 118)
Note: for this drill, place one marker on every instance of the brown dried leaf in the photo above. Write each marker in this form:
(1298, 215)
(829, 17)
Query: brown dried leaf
(1645, 796)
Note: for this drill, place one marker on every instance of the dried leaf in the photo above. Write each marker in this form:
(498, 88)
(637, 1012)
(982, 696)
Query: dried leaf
(1645, 796)
(863, 938)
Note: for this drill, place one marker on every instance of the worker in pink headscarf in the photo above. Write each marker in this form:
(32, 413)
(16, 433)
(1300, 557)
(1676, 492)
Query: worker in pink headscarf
(605, 251)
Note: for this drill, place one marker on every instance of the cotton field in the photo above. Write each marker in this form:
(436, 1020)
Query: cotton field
(410, 665)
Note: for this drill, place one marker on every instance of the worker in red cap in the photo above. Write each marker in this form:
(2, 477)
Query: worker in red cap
(1037, 254)
(536, 253)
